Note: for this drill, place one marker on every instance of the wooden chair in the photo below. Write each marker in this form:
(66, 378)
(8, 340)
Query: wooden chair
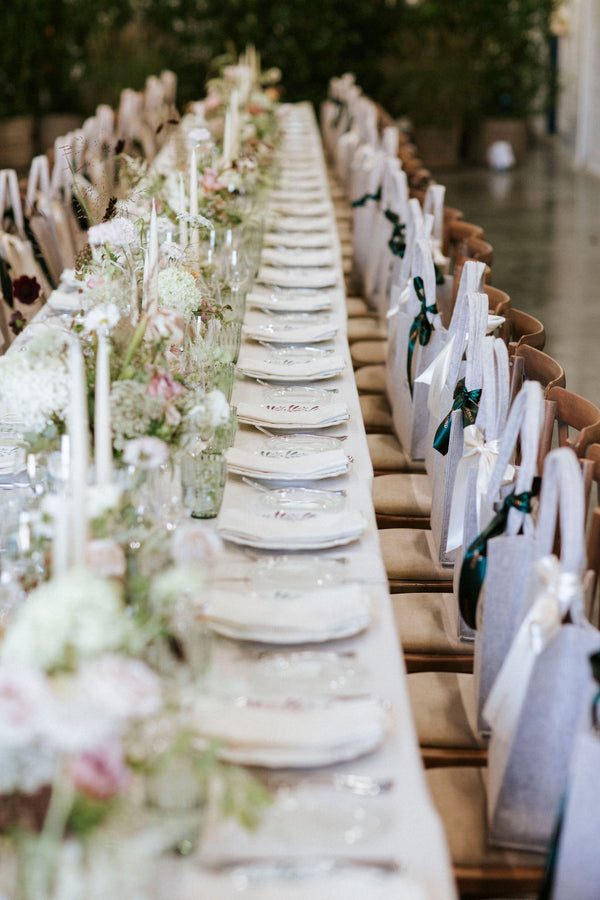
(522, 328)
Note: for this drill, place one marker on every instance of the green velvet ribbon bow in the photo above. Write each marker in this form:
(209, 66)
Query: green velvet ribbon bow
(421, 328)
(362, 200)
(397, 242)
(468, 401)
(474, 564)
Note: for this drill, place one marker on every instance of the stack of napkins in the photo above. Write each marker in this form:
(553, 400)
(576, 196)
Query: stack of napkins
(292, 416)
(309, 467)
(291, 369)
(286, 300)
(290, 328)
(311, 240)
(323, 277)
(296, 256)
(289, 617)
(292, 733)
(291, 530)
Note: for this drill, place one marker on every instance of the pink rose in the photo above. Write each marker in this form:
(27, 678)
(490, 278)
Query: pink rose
(210, 181)
(164, 385)
(165, 324)
(101, 773)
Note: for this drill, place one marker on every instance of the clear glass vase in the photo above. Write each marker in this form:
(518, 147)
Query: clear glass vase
(203, 480)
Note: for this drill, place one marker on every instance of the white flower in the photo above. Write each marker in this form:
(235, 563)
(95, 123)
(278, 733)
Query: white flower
(119, 232)
(100, 499)
(217, 407)
(146, 452)
(171, 252)
(176, 584)
(35, 382)
(67, 620)
(122, 687)
(178, 289)
(198, 136)
(106, 314)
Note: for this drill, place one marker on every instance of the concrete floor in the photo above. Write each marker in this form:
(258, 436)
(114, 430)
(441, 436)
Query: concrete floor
(543, 221)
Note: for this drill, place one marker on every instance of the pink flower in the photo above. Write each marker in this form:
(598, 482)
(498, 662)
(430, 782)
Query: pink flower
(212, 101)
(210, 181)
(101, 773)
(165, 324)
(164, 385)
(25, 701)
(172, 415)
(96, 281)
(125, 688)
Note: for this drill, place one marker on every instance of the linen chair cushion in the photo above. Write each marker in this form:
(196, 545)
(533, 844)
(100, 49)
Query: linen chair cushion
(410, 554)
(426, 623)
(356, 306)
(387, 454)
(366, 328)
(459, 795)
(444, 709)
(371, 379)
(365, 353)
(402, 494)
(376, 412)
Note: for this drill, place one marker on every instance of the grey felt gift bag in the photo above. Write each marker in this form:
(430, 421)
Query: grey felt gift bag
(538, 698)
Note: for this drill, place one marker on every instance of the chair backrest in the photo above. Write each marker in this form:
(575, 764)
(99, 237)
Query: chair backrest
(530, 364)
(522, 328)
(576, 413)
(498, 300)
(456, 231)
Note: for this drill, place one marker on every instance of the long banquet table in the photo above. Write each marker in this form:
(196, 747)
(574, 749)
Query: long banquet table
(412, 832)
(402, 824)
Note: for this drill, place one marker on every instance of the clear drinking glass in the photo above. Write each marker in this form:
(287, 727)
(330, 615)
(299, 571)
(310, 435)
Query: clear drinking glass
(203, 480)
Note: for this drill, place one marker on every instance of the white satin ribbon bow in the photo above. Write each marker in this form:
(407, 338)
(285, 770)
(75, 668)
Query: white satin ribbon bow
(483, 454)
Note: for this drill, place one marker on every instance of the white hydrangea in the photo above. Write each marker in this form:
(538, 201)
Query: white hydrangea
(119, 232)
(178, 289)
(34, 382)
(67, 620)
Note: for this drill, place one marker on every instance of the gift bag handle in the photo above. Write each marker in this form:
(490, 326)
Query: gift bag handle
(493, 407)
(9, 196)
(471, 279)
(434, 203)
(562, 499)
(525, 419)
(39, 180)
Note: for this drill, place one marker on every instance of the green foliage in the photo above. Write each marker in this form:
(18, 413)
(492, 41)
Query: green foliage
(454, 58)
(465, 59)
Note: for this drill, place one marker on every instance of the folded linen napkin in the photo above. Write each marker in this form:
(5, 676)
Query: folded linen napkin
(296, 256)
(293, 415)
(293, 529)
(294, 370)
(299, 208)
(311, 223)
(312, 193)
(292, 726)
(290, 617)
(286, 300)
(308, 240)
(327, 464)
(276, 332)
(351, 883)
(325, 276)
